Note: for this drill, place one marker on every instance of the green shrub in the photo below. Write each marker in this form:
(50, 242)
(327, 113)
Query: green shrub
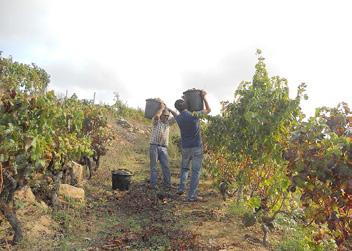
(238, 209)
(301, 239)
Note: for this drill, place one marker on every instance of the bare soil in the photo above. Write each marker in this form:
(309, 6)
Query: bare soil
(137, 219)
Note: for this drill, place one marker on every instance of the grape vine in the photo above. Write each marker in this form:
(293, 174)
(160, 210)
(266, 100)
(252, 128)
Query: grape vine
(41, 134)
(262, 147)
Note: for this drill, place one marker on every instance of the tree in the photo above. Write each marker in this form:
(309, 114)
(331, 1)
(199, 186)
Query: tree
(250, 136)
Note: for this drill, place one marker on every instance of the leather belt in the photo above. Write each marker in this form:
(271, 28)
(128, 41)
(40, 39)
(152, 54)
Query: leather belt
(158, 145)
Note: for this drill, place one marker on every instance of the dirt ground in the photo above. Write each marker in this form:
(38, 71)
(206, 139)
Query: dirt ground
(137, 219)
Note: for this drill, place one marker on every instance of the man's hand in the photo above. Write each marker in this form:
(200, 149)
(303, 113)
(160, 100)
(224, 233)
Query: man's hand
(203, 93)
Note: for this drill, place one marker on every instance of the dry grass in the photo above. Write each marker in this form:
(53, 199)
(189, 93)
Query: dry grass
(141, 219)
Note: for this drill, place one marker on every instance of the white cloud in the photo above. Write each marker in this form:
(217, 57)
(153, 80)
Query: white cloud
(161, 48)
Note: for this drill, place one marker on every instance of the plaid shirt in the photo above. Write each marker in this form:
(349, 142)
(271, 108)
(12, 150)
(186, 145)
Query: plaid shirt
(160, 132)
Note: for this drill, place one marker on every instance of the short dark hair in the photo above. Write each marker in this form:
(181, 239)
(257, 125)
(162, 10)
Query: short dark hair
(180, 105)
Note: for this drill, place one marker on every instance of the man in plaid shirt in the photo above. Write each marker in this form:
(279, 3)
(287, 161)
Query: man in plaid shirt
(158, 146)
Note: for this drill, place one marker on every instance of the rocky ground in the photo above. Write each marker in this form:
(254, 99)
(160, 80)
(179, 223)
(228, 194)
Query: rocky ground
(137, 219)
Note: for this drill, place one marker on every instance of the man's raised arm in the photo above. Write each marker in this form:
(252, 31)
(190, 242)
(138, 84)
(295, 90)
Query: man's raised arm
(207, 109)
(159, 112)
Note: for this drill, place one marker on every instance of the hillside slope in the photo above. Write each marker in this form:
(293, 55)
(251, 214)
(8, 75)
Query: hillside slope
(139, 219)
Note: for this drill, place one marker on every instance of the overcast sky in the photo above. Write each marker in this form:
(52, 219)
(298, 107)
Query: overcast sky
(144, 49)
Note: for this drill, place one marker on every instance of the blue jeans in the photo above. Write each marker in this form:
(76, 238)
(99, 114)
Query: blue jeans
(159, 153)
(194, 154)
